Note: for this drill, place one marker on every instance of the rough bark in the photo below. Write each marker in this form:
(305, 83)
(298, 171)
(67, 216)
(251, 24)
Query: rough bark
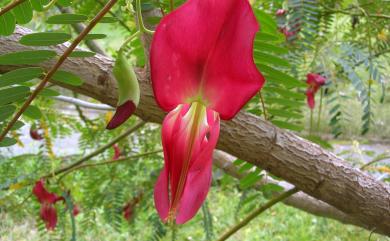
(315, 171)
(299, 200)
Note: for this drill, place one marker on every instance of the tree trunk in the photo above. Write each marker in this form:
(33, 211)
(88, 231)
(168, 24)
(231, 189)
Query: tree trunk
(315, 171)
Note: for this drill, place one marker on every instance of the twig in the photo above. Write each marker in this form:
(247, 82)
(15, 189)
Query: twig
(99, 150)
(375, 160)
(256, 212)
(123, 159)
(10, 6)
(263, 106)
(82, 103)
(348, 12)
(61, 60)
(79, 27)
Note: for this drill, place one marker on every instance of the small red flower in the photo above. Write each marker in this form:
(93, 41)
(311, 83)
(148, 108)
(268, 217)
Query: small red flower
(117, 152)
(286, 32)
(76, 210)
(128, 211)
(314, 81)
(281, 12)
(47, 200)
(36, 134)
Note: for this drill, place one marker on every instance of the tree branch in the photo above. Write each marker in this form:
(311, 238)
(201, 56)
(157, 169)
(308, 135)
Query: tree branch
(307, 166)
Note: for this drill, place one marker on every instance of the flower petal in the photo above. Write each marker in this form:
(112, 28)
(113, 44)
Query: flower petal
(204, 50)
(42, 194)
(310, 98)
(49, 216)
(122, 113)
(189, 136)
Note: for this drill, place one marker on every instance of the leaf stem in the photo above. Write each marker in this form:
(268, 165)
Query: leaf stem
(320, 110)
(140, 21)
(99, 150)
(60, 61)
(10, 6)
(257, 212)
(311, 122)
(263, 106)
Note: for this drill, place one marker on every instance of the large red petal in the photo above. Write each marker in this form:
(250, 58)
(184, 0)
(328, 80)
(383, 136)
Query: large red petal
(204, 49)
(199, 176)
(42, 194)
(189, 138)
(49, 216)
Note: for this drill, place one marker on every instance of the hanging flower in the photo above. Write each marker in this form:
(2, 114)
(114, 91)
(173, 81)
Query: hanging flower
(36, 134)
(281, 12)
(314, 81)
(76, 210)
(128, 211)
(47, 200)
(117, 152)
(202, 70)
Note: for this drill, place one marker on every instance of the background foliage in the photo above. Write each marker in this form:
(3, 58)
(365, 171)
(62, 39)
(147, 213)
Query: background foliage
(346, 41)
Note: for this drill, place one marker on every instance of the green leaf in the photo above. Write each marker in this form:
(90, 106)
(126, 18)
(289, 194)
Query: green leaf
(319, 141)
(108, 20)
(67, 18)
(17, 125)
(6, 142)
(65, 3)
(13, 94)
(49, 92)
(270, 59)
(267, 47)
(38, 5)
(26, 57)
(7, 24)
(286, 125)
(44, 39)
(6, 112)
(92, 36)
(20, 75)
(250, 179)
(285, 113)
(67, 78)
(82, 54)
(33, 112)
(284, 102)
(23, 12)
(285, 79)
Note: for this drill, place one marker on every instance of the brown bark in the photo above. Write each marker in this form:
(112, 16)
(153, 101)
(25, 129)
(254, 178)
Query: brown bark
(299, 200)
(315, 171)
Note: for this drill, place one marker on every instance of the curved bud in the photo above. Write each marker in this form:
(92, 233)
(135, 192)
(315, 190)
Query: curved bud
(128, 91)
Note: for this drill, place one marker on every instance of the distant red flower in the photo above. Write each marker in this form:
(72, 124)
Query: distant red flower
(117, 152)
(281, 12)
(128, 211)
(314, 81)
(47, 200)
(76, 210)
(35, 134)
(286, 32)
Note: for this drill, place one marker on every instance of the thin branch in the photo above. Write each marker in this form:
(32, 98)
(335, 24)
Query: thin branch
(348, 12)
(82, 103)
(99, 150)
(10, 6)
(60, 61)
(79, 27)
(263, 106)
(123, 159)
(375, 160)
(257, 212)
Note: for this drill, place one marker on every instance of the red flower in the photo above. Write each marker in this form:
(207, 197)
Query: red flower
(281, 12)
(314, 81)
(286, 32)
(202, 70)
(117, 152)
(35, 134)
(76, 210)
(128, 211)
(47, 200)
